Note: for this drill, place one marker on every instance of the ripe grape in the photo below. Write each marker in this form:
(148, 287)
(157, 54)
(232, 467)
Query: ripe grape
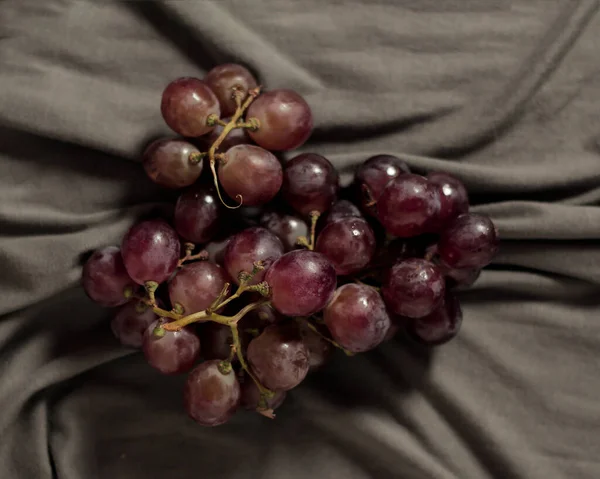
(197, 214)
(251, 172)
(211, 397)
(395, 327)
(260, 317)
(408, 205)
(341, 209)
(302, 283)
(130, 323)
(251, 396)
(172, 353)
(279, 358)
(461, 277)
(349, 243)
(357, 318)
(287, 228)
(454, 199)
(470, 241)
(249, 246)
(216, 250)
(413, 288)
(374, 175)
(150, 251)
(216, 340)
(167, 163)
(285, 120)
(223, 78)
(319, 349)
(310, 183)
(438, 327)
(105, 278)
(186, 105)
(197, 285)
(237, 136)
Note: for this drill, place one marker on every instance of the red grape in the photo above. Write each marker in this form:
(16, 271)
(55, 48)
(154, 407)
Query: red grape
(237, 136)
(105, 278)
(251, 396)
(150, 251)
(216, 340)
(130, 323)
(310, 183)
(461, 277)
(260, 317)
(167, 163)
(349, 243)
(438, 327)
(279, 358)
(285, 120)
(357, 317)
(413, 288)
(374, 175)
(395, 327)
(341, 209)
(470, 241)
(216, 250)
(211, 397)
(172, 353)
(197, 214)
(287, 228)
(197, 285)
(249, 246)
(302, 283)
(408, 205)
(223, 78)
(454, 199)
(251, 172)
(319, 349)
(186, 105)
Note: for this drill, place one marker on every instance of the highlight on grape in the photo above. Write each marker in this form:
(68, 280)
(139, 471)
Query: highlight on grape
(267, 267)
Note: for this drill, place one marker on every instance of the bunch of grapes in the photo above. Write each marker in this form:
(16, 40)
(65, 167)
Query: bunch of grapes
(250, 300)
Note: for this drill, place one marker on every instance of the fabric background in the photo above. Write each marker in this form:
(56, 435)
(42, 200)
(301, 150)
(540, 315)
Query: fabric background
(505, 94)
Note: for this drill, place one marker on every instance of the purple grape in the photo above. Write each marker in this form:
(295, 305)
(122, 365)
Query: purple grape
(454, 199)
(216, 340)
(470, 241)
(461, 277)
(104, 277)
(223, 78)
(130, 323)
(287, 228)
(395, 327)
(349, 243)
(319, 349)
(357, 318)
(211, 397)
(251, 172)
(374, 175)
(167, 163)
(216, 250)
(310, 183)
(285, 119)
(249, 246)
(341, 209)
(279, 358)
(260, 317)
(237, 136)
(413, 288)
(197, 214)
(197, 285)
(438, 327)
(150, 251)
(251, 396)
(302, 283)
(408, 205)
(186, 105)
(174, 352)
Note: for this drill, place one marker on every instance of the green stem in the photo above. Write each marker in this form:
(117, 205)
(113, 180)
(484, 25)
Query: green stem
(316, 330)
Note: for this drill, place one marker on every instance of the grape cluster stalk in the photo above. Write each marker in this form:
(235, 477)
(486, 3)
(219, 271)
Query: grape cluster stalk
(249, 299)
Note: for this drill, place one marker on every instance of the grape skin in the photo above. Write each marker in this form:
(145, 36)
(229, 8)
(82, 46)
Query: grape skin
(167, 163)
(440, 326)
(374, 175)
(287, 228)
(251, 396)
(173, 353)
(104, 277)
(319, 349)
(454, 199)
(341, 209)
(216, 250)
(197, 285)
(129, 324)
(221, 80)
(197, 216)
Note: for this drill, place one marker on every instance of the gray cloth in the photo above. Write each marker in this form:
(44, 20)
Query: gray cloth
(505, 94)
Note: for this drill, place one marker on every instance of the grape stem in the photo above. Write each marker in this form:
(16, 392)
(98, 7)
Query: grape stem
(189, 248)
(303, 240)
(313, 328)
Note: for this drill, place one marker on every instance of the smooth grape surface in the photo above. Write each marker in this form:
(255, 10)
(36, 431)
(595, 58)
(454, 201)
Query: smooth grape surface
(310, 183)
(129, 324)
(264, 315)
(150, 251)
(408, 205)
(456, 278)
(197, 216)
(440, 326)
(216, 250)
(374, 175)
(302, 283)
(251, 396)
(454, 199)
(237, 136)
(167, 163)
(470, 241)
(413, 288)
(251, 172)
(186, 105)
(210, 397)
(174, 353)
(279, 358)
(249, 246)
(197, 285)
(287, 228)
(357, 317)
(221, 80)
(105, 278)
(285, 119)
(349, 243)
(319, 349)
(341, 209)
